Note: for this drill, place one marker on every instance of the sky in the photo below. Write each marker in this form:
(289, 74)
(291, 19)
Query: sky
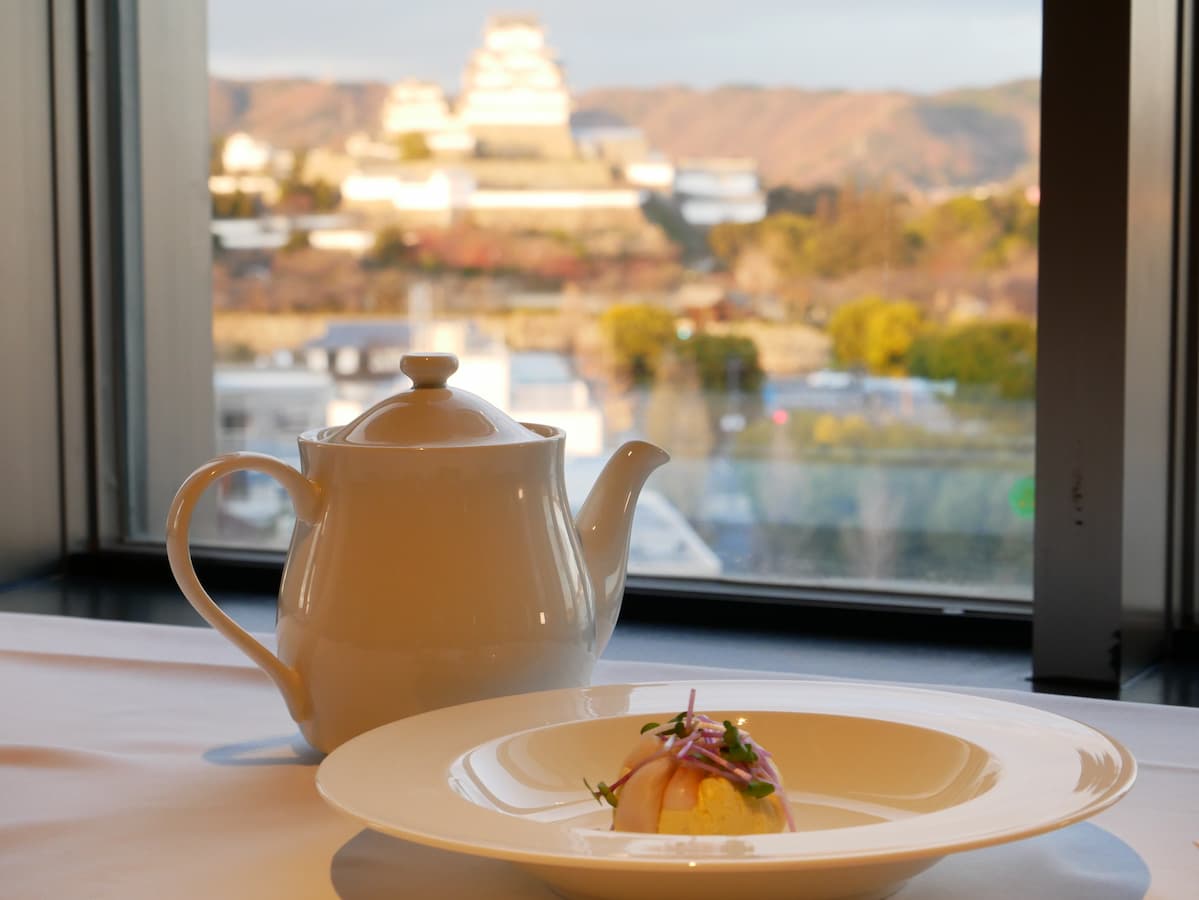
(913, 45)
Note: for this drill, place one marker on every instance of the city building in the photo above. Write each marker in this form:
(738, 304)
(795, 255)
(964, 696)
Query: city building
(714, 190)
(506, 153)
(362, 358)
(414, 106)
(600, 134)
(654, 172)
(243, 153)
(442, 195)
(421, 108)
(263, 410)
(434, 196)
(273, 232)
(252, 184)
(514, 97)
(250, 166)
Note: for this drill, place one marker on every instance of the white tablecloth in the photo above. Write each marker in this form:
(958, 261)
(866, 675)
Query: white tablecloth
(146, 761)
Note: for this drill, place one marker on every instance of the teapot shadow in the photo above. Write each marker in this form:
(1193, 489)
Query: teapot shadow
(280, 750)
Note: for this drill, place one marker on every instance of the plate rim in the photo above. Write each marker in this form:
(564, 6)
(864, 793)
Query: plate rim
(532, 856)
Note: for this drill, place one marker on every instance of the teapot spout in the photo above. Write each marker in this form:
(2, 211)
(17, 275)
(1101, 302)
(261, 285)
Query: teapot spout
(605, 523)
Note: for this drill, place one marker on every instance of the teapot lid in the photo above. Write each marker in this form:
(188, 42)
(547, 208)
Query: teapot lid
(432, 414)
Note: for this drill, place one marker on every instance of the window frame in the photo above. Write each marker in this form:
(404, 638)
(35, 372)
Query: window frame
(128, 232)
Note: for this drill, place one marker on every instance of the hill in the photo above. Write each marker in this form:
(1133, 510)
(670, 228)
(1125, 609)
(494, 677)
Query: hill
(955, 139)
(294, 113)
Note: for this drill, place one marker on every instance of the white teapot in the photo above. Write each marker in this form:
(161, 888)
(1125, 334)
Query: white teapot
(434, 559)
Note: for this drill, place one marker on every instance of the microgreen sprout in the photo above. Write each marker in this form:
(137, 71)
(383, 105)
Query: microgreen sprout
(602, 792)
(737, 750)
(759, 789)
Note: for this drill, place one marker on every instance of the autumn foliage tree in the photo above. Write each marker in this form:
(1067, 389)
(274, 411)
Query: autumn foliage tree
(890, 334)
(893, 337)
(876, 335)
(862, 229)
(638, 336)
(998, 356)
(857, 229)
(723, 362)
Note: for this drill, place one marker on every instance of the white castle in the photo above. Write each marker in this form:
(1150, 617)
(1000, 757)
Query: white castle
(509, 151)
(514, 99)
(514, 78)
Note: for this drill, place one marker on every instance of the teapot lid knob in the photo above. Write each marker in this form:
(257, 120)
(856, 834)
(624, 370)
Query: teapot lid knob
(429, 370)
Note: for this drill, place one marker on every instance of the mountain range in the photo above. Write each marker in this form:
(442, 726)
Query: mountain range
(957, 139)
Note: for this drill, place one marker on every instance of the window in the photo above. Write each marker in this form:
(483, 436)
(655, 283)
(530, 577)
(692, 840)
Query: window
(821, 302)
(167, 416)
(120, 91)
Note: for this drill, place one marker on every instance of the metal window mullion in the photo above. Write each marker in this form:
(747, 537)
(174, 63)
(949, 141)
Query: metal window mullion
(149, 262)
(176, 422)
(1106, 308)
(1187, 287)
(99, 197)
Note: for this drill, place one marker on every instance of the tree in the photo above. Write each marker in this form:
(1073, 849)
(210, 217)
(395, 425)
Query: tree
(297, 240)
(661, 212)
(858, 230)
(728, 239)
(999, 355)
(237, 205)
(876, 335)
(638, 335)
(413, 145)
(804, 202)
(890, 332)
(848, 328)
(391, 247)
(723, 362)
(298, 195)
(968, 233)
(216, 155)
(863, 229)
(325, 197)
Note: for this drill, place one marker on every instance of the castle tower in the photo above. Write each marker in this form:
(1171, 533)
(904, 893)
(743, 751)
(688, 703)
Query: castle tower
(420, 107)
(415, 107)
(514, 96)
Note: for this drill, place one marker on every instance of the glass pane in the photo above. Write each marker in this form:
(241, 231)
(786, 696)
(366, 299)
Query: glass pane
(794, 244)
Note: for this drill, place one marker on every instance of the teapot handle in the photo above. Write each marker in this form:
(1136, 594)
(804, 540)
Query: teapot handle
(305, 495)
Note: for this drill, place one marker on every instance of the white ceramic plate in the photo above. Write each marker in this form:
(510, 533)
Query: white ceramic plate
(883, 781)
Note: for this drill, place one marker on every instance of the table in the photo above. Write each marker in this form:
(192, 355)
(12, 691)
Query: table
(150, 761)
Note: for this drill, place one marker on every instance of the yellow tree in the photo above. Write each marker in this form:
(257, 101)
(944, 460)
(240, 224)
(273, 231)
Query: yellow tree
(413, 145)
(847, 329)
(891, 330)
(875, 334)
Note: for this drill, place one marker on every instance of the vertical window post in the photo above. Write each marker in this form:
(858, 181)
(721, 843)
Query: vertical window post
(1105, 388)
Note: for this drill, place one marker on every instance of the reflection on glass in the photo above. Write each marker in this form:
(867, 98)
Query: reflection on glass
(822, 303)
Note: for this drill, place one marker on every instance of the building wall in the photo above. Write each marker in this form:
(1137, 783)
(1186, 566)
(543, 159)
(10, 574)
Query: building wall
(704, 211)
(541, 173)
(566, 219)
(30, 530)
(550, 141)
(245, 154)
